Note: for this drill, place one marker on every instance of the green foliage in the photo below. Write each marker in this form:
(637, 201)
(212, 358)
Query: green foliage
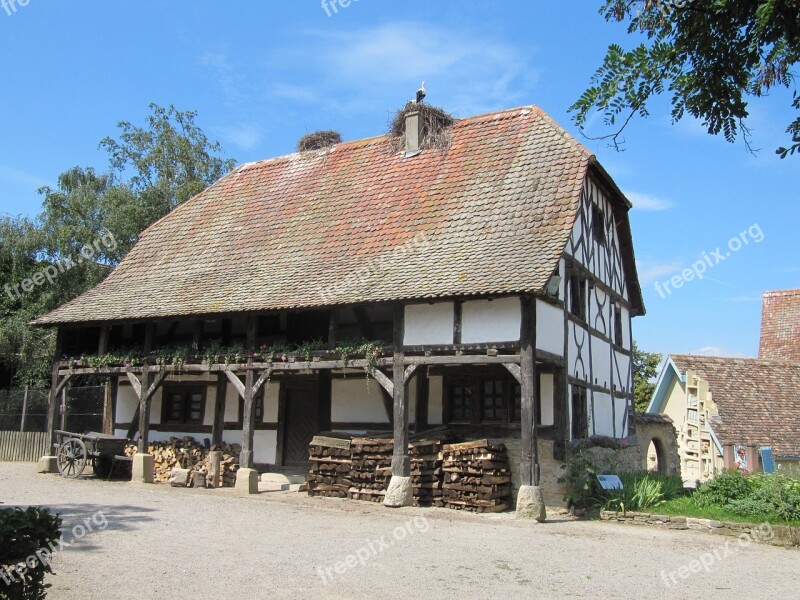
(153, 170)
(640, 491)
(23, 534)
(580, 477)
(645, 368)
(727, 487)
(711, 57)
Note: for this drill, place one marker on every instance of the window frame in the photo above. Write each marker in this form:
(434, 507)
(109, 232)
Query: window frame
(577, 282)
(599, 225)
(187, 391)
(476, 385)
(579, 402)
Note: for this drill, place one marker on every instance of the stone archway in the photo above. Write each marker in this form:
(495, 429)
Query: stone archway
(658, 443)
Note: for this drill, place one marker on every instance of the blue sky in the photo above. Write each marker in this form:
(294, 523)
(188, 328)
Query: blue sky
(264, 73)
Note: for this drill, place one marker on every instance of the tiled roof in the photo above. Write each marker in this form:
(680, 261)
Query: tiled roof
(780, 325)
(360, 223)
(758, 400)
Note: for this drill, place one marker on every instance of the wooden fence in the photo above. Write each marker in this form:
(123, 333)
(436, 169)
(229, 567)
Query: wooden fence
(23, 446)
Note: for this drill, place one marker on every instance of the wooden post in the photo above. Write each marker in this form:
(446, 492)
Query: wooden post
(529, 463)
(24, 409)
(110, 405)
(144, 399)
(52, 406)
(248, 417)
(63, 409)
(219, 410)
(102, 344)
(401, 466)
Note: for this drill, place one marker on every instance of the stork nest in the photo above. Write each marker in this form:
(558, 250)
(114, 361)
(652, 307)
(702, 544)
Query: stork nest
(435, 124)
(319, 140)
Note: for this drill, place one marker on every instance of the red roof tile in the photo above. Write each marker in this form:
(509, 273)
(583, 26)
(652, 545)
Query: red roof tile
(780, 325)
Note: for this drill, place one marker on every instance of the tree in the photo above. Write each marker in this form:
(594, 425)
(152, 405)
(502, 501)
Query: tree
(712, 56)
(153, 170)
(645, 369)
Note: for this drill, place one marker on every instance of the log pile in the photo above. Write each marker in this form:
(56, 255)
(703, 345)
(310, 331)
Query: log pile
(426, 472)
(186, 453)
(477, 477)
(329, 475)
(371, 460)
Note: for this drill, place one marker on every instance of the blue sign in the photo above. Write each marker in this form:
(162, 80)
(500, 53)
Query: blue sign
(610, 482)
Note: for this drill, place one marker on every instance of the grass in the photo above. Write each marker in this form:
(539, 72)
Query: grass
(687, 507)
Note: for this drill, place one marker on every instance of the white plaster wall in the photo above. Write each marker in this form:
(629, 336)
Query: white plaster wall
(547, 389)
(155, 407)
(549, 328)
(484, 321)
(576, 368)
(435, 400)
(126, 404)
(356, 400)
(231, 404)
(271, 399)
(603, 417)
(622, 372)
(265, 444)
(599, 311)
(622, 423)
(429, 324)
(626, 328)
(601, 362)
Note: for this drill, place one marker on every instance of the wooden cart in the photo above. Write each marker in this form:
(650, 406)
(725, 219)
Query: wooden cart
(76, 450)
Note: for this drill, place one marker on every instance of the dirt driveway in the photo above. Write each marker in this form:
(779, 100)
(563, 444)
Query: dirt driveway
(148, 542)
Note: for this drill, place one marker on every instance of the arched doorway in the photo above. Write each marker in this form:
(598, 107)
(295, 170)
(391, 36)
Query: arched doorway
(654, 459)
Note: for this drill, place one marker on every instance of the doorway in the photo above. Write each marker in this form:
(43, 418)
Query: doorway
(299, 404)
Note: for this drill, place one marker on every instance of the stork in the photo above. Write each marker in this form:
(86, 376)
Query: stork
(421, 93)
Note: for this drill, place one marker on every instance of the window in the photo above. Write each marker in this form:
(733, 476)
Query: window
(461, 402)
(183, 405)
(580, 416)
(493, 401)
(598, 225)
(577, 296)
(483, 399)
(618, 325)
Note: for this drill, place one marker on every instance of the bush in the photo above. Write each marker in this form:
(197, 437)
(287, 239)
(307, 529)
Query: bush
(25, 535)
(777, 494)
(640, 490)
(727, 487)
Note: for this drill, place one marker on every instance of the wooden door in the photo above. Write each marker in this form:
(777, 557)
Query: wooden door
(301, 420)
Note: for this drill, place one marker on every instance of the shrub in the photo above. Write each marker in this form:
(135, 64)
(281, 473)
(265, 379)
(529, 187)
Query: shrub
(727, 487)
(580, 477)
(641, 490)
(24, 536)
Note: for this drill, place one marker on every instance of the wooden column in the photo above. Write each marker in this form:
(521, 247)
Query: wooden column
(144, 399)
(110, 404)
(218, 428)
(24, 409)
(529, 463)
(248, 419)
(52, 406)
(401, 466)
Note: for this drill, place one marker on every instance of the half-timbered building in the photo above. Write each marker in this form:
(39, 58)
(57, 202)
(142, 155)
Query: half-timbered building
(494, 279)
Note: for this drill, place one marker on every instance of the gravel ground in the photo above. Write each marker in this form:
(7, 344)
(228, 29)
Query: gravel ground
(153, 541)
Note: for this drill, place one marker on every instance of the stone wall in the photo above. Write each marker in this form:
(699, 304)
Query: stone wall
(660, 429)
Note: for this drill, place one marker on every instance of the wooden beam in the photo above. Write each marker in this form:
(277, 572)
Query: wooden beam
(409, 373)
(156, 382)
(52, 407)
(457, 319)
(529, 462)
(261, 381)
(137, 385)
(383, 380)
(62, 383)
(248, 423)
(401, 465)
(144, 385)
(515, 371)
(219, 410)
(237, 383)
(102, 344)
(110, 405)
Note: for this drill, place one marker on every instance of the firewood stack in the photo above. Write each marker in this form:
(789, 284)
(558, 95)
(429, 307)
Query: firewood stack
(186, 453)
(329, 475)
(477, 477)
(372, 468)
(426, 472)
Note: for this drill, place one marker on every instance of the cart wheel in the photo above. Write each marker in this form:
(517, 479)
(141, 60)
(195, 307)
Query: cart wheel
(72, 458)
(102, 466)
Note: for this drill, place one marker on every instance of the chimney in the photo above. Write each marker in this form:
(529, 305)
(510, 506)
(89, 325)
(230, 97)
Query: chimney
(413, 134)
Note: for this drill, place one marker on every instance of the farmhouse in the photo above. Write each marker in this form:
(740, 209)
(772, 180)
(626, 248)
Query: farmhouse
(485, 265)
(726, 409)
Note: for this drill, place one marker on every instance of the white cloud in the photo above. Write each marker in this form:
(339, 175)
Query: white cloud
(647, 202)
(650, 271)
(717, 351)
(21, 178)
(245, 136)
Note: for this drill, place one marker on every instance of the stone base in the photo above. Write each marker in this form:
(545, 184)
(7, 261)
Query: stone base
(47, 464)
(247, 481)
(400, 492)
(530, 503)
(143, 468)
